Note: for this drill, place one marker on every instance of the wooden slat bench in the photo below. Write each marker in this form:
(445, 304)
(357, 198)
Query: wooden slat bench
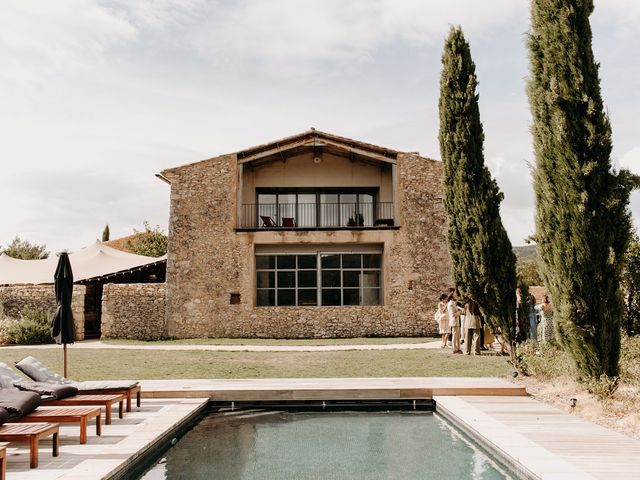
(80, 415)
(32, 433)
(128, 393)
(106, 401)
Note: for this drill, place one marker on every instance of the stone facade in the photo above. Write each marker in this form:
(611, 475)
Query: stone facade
(209, 260)
(134, 311)
(14, 298)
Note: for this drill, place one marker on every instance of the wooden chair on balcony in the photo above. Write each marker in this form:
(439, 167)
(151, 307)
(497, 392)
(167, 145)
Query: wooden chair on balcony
(267, 222)
(288, 222)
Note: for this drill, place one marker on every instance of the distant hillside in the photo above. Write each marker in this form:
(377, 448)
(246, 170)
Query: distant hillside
(525, 252)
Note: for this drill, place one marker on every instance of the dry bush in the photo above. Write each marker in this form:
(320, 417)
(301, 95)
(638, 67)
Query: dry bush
(608, 402)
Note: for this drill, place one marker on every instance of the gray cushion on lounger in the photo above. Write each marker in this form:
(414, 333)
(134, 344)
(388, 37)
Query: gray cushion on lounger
(18, 402)
(8, 376)
(105, 385)
(33, 368)
(39, 372)
(4, 415)
(52, 390)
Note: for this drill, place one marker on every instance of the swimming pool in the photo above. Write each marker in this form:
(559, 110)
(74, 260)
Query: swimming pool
(337, 445)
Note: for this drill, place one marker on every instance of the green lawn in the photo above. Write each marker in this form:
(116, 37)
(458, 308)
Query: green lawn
(85, 364)
(271, 341)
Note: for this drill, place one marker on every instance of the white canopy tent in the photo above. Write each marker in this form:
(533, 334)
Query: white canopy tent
(96, 260)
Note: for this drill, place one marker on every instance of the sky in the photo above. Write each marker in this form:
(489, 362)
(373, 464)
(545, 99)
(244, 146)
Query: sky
(97, 96)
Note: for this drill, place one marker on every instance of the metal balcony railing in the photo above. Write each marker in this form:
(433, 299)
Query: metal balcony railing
(316, 215)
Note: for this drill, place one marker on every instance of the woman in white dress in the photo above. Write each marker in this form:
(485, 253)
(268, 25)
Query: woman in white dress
(442, 319)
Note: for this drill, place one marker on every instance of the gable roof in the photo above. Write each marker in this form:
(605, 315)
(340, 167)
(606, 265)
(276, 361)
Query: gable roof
(309, 139)
(316, 138)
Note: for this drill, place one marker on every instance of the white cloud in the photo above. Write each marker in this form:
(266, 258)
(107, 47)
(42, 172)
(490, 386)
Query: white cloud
(631, 160)
(293, 37)
(95, 87)
(41, 38)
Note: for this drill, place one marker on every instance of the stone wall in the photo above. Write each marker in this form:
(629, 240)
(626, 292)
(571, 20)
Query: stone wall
(134, 311)
(14, 298)
(208, 261)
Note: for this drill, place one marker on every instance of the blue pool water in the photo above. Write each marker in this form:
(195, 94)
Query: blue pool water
(279, 445)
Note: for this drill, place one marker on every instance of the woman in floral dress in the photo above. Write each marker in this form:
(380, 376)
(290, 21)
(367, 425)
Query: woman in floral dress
(545, 309)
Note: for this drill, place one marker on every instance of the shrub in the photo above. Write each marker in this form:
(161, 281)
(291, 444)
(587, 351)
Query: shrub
(32, 328)
(6, 323)
(548, 362)
(603, 387)
(543, 360)
(630, 360)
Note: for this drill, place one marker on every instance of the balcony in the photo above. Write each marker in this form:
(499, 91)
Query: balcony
(315, 216)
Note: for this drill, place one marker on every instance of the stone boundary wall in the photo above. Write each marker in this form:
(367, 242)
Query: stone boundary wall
(133, 311)
(14, 298)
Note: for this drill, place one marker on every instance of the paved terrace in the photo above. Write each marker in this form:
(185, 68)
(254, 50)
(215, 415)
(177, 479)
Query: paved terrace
(539, 441)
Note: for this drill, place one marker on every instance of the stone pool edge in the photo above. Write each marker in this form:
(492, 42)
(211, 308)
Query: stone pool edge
(152, 435)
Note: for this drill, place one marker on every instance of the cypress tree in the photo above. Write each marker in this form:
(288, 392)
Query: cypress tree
(105, 233)
(483, 261)
(582, 216)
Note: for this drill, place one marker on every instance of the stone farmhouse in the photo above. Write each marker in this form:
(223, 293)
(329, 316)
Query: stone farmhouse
(313, 235)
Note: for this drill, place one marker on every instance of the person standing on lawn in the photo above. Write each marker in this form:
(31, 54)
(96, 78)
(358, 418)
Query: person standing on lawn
(442, 319)
(454, 311)
(472, 327)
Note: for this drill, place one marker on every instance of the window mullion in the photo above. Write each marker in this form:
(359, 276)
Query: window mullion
(318, 279)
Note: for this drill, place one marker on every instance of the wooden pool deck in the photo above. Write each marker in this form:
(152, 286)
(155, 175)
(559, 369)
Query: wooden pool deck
(542, 441)
(274, 389)
(538, 441)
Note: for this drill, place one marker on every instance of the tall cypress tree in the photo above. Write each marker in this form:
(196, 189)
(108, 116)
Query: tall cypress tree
(105, 233)
(483, 261)
(582, 217)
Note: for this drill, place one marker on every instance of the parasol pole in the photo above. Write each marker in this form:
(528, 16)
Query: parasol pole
(64, 348)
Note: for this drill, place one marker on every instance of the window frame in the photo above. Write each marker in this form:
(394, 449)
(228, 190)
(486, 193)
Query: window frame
(318, 192)
(319, 287)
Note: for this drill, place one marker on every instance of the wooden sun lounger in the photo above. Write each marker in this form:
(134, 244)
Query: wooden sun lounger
(80, 415)
(128, 393)
(3, 463)
(32, 433)
(106, 401)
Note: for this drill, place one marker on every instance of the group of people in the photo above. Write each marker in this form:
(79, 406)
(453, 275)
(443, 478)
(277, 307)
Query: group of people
(464, 325)
(540, 317)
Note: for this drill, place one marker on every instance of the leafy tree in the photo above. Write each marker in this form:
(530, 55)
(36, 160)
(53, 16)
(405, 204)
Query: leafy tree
(150, 242)
(483, 260)
(582, 217)
(25, 250)
(105, 233)
(528, 273)
(631, 286)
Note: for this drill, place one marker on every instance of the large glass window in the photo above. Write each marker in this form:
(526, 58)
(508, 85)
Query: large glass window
(326, 279)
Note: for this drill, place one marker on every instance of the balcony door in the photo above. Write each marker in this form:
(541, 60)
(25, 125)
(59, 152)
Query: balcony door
(319, 207)
(346, 209)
